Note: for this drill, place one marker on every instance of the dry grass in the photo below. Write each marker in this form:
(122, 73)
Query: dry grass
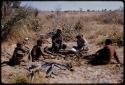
(15, 78)
(93, 25)
(111, 18)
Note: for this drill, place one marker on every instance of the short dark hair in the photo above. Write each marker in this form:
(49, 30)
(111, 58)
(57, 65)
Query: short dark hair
(19, 44)
(78, 36)
(39, 42)
(64, 46)
(108, 41)
(59, 31)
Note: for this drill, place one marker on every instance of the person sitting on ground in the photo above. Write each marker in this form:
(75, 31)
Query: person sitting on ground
(37, 51)
(104, 55)
(18, 55)
(56, 41)
(81, 44)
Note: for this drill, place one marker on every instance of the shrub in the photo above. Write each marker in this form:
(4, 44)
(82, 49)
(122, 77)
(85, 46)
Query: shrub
(78, 26)
(20, 25)
(72, 29)
(117, 37)
(111, 18)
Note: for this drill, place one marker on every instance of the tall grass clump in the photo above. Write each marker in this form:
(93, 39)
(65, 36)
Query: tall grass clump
(114, 33)
(117, 37)
(20, 24)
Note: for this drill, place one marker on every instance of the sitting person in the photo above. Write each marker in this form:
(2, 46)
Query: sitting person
(17, 55)
(104, 55)
(37, 51)
(56, 41)
(81, 44)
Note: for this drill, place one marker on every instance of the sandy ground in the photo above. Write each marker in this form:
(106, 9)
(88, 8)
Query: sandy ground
(85, 73)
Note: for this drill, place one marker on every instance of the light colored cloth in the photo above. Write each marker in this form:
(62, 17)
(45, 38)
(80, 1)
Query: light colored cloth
(74, 50)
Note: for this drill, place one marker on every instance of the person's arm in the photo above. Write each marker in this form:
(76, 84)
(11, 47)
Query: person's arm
(53, 39)
(26, 48)
(79, 44)
(116, 57)
(22, 49)
(61, 38)
(14, 54)
(33, 51)
(111, 50)
(43, 53)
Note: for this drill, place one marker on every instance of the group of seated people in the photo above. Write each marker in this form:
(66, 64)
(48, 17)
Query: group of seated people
(102, 56)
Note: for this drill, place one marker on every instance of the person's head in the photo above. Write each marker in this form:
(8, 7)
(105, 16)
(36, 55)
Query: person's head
(59, 31)
(19, 44)
(78, 37)
(39, 42)
(64, 46)
(108, 41)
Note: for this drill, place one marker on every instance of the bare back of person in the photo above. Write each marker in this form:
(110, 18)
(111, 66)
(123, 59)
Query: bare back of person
(104, 55)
